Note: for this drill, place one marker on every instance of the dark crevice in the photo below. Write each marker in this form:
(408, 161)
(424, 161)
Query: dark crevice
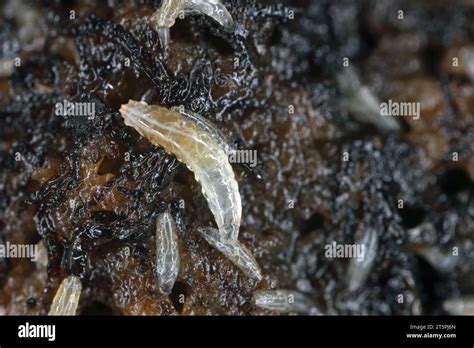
(97, 308)
(455, 180)
(411, 216)
(110, 166)
(179, 296)
(431, 284)
(315, 222)
(106, 216)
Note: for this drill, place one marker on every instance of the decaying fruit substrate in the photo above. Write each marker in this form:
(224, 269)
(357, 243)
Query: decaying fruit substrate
(88, 190)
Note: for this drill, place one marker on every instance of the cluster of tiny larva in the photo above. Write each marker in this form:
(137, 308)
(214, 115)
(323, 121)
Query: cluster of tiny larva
(201, 147)
(197, 143)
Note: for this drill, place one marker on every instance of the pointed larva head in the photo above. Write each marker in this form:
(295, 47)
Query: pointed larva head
(125, 109)
(66, 300)
(216, 10)
(145, 119)
(226, 21)
(164, 36)
(132, 106)
(133, 111)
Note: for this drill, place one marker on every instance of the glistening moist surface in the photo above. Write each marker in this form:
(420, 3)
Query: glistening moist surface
(90, 190)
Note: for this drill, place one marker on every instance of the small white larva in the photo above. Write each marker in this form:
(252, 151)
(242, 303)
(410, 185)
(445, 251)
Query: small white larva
(284, 301)
(164, 18)
(167, 252)
(460, 306)
(234, 251)
(359, 270)
(66, 300)
(362, 103)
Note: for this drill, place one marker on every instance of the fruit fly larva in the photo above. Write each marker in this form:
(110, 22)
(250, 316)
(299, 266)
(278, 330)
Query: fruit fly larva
(66, 300)
(167, 252)
(362, 103)
(201, 150)
(359, 270)
(169, 10)
(234, 250)
(460, 306)
(284, 301)
(198, 144)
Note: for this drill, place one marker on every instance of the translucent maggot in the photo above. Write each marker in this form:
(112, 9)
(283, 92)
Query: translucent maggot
(284, 301)
(164, 18)
(167, 252)
(198, 144)
(66, 300)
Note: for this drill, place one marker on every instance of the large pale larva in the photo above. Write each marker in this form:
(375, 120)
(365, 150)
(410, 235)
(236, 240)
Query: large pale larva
(197, 143)
(164, 18)
(66, 300)
(167, 252)
(202, 153)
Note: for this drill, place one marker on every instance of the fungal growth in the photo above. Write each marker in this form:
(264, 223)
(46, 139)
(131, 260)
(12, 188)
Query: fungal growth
(284, 301)
(167, 253)
(67, 297)
(197, 143)
(165, 17)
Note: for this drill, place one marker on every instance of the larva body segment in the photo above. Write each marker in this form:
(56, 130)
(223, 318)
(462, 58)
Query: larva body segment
(206, 126)
(202, 154)
(169, 10)
(213, 9)
(66, 300)
(165, 17)
(167, 252)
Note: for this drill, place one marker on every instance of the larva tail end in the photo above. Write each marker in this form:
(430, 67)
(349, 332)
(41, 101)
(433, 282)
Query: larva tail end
(164, 36)
(166, 288)
(229, 233)
(229, 24)
(234, 251)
